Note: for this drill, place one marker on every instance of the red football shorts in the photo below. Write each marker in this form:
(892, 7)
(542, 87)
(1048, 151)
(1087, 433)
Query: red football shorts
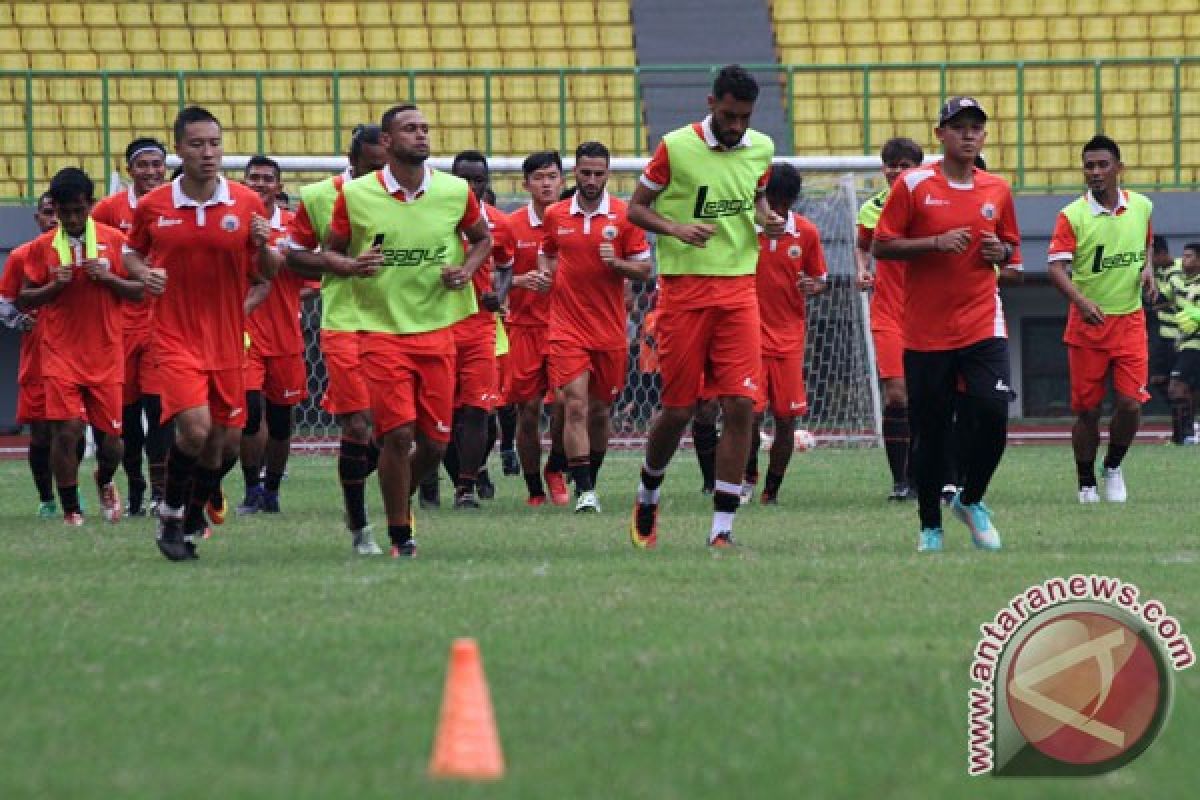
(502, 379)
(281, 379)
(528, 377)
(99, 405)
(567, 361)
(889, 353)
(783, 386)
(347, 392)
(1125, 353)
(184, 386)
(31, 402)
(138, 367)
(475, 375)
(409, 384)
(714, 349)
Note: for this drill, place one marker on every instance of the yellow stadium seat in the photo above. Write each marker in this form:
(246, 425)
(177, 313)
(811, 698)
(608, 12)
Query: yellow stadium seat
(78, 115)
(926, 30)
(201, 14)
(374, 14)
(81, 61)
(173, 40)
(311, 40)
(243, 116)
(481, 38)
(615, 37)
(343, 40)
(449, 59)
(511, 14)
(378, 39)
(271, 15)
(484, 59)
(543, 12)
(96, 13)
(340, 15)
(251, 60)
(47, 61)
(13, 60)
(582, 37)
(39, 39)
(66, 14)
(522, 39)
(178, 61)
(408, 14)
(209, 40)
(284, 115)
(446, 38)
(285, 142)
(575, 12)
(858, 33)
(305, 14)
(612, 11)
(476, 14)
(518, 59)
(237, 15)
(30, 14)
(243, 39)
(318, 116)
(896, 53)
(442, 14)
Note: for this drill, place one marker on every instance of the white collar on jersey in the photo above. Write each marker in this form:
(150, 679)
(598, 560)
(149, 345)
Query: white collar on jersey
(392, 185)
(534, 220)
(602, 209)
(133, 198)
(1099, 210)
(220, 197)
(277, 219)
(711, 140)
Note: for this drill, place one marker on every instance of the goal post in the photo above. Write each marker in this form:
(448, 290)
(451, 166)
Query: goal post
(843, 394)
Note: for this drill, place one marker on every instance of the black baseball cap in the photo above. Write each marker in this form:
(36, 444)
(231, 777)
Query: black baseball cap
(957, 105)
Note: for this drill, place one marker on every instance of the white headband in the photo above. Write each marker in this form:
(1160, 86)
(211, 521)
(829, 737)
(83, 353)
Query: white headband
(145, 149)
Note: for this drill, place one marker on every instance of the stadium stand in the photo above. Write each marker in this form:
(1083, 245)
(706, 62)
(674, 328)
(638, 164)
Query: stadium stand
(1060, 102)
(299, 115)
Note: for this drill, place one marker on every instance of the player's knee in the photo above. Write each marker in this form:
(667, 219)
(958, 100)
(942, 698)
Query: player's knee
(355, 427)
(398, 441)
(1127, 405)
(738, 411)
(279, 422)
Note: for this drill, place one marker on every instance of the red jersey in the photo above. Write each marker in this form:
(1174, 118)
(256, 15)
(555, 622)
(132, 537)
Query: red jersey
(274, 326)
(30, 369)
(116, 211)
(780, 302)
(83, 326)
(502, 255)
(300, 230)
(526, 307)
(950, 299)
(887, 291)
(587, 304)
(209, 257)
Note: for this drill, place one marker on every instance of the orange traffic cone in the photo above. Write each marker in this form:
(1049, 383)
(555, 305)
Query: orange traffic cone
(467, 745)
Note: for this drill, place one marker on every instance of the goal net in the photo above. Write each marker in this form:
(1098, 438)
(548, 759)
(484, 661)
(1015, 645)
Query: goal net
(839, 366)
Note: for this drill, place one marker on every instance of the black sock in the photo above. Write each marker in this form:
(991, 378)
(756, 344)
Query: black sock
(533, 482)
(226, 467)
(205, 482)
(180, 469)
(250, 475)
(39, 466)
(105, 471)
(1086, 470)
(581, 473)
(595, 461)
(557, 462)
(651, 482)
(507, 416)
(400, 534)
(1115, 455)
(450, 461)
(896, 438)
(773, 483)
(752, 467)
(1182, 420)
(465, 482)
(352, 472)
(493, 431)
(273, 481)
(68, 497)
(727, 502)
(704, 438)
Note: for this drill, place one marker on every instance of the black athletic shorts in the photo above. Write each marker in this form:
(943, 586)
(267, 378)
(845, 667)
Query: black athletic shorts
(1162, 356)
(1187, 368)
(980, 370)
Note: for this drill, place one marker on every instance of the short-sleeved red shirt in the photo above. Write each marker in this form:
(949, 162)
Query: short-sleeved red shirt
(587, 303)
(274, 326)
(11, 281)
(209, 258)
(780, 302)
(526, 307)
(83, 326)
(501, 255)
(950, 299)
(116, 211)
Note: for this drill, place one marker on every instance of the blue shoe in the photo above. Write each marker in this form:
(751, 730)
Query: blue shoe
(252, 503)
(48, 510)
(930, 540)
(270, 502)
(978, 518)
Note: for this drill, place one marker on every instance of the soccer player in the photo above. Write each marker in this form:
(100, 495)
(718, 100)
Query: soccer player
(1182, 291)
(702, 193)
(275, 373)
(791, 268)
(1099, 260)
(953, 224)
(206, 238)
(75, 274)
(1161, 329)
(528, 314)
(346, 396)
(410, 294)
(590, 249)
(887, 309)
(145, 159)
(476, 378)
(31, 394)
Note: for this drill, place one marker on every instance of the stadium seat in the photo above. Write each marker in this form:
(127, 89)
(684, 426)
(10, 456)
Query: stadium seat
(30, 15)
(476, 14)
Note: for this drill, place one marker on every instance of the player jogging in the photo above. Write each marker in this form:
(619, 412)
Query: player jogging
(953, 224)
(702, 193)
(1099, 259)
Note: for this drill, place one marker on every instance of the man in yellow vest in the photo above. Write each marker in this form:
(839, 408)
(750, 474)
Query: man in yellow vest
(1100, 259)
(416, 219)
(703, 193)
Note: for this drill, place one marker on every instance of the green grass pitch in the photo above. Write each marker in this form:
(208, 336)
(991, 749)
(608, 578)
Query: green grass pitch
(825, 658)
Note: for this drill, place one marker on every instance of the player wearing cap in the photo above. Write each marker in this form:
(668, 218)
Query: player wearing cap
(791, 268)
(346, 395)
(145, 159)
(414, 284)
(276, 380)
(590, 249)
(31, 393)
(953, 225)
(197, 242)
(1099, 259)
(702, 193)
(74, 272)
(887, 314)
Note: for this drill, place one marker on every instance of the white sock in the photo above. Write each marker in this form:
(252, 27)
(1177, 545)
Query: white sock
(722, 523)
(727, 487)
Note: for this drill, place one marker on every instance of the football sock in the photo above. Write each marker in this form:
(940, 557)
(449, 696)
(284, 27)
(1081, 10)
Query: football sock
(400, 534)
(773, 483)
(1115, 455)
(1086, 470)
(704, 439)
(68, 497)
(896, 441)
(649, 487)
(1181, 419)
(581, 473)
(353, 458)
(596, 460)
(533, 482)
(273, 481)
(178, 487)
(39, 466)
(557, 462)
(725, 504)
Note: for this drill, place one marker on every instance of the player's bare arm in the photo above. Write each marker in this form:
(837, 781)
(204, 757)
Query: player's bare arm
(304, 262)
(334, 260)
(479, 239)
(1061, 278)
(633, 269)
(255, 296)
(269, 260)
(1149, 285)
(32, 295)
(956, 240)
(125, 288)
(864, 279)
(641, 213)
(766, 218)
(502, 281)
(154, 279)
(812, 286)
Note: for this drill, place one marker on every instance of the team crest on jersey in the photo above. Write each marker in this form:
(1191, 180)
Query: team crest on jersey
(988, 210)
(794, 251)
(230, 223)
(609, 233)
